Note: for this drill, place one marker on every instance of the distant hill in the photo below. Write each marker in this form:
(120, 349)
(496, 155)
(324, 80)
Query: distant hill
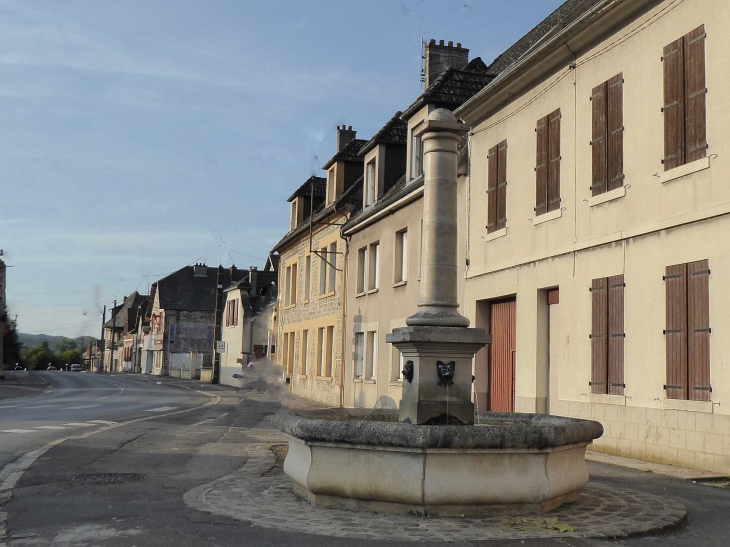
(54, 342)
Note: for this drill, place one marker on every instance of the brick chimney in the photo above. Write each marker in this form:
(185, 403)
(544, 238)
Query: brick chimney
(344, 135)
(200, 270)
(440, 56)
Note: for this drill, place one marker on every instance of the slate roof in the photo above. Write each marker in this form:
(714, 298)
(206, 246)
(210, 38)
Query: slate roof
(182, 290)
(396, 192)
(394, 131)
(350, 152)
(351, 195)
(569, 11)
(127, 309)
(453, 87)
(320, 188)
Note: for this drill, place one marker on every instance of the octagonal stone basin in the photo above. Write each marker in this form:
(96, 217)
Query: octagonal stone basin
(367, 460)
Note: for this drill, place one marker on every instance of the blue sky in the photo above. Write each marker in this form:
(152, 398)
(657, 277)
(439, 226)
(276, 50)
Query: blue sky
(141, 136)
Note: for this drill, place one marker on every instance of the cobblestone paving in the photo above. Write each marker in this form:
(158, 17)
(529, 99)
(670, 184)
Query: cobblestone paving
(255, 495)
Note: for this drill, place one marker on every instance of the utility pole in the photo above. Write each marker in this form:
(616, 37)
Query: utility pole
(100, 366)
(217, 325)
(114, 320)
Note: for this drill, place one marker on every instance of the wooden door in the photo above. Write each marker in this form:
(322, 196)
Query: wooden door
(503, 328)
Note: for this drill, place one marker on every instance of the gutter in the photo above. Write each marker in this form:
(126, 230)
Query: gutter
(475, 107)
(405, 200)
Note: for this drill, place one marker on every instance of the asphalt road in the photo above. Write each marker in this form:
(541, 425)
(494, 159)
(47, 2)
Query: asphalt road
(175, 449)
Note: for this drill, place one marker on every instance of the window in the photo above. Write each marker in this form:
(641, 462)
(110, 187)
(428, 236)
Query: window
(607, 335)
(359, 353)
(290, 358)
(687, 335)
(293, 215)
(330, 352)
(547, 170)
(307, 277)
(362, 270)
(398, 364)
(288, 365)
(330, 185)
(373, 259)
(323, 270)
(401, 256)
(371, 358)
(322, 350)
(232, 313)
(370, 183)
(607, 145)
(332, 267)
(416, 157)
(291, 285)
(685, 137)
(420, 253)
(497, 188)
(305, 352)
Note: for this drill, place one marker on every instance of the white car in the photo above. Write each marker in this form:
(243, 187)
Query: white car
(75, 368)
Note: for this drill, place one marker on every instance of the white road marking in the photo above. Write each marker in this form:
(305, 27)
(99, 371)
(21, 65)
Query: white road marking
(209, 420)
(51, 427)
(36, 406)
(4, 407)
(81, 407)
(17, 431)
(103, 422)
(161, 409)
(80, 424)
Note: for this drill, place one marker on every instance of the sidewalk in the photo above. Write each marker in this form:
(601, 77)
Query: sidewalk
(20, 383)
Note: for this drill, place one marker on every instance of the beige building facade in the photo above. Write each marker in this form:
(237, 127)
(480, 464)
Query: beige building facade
(596, 209)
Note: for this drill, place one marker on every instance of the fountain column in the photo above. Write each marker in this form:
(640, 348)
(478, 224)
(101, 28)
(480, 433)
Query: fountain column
(437, 347)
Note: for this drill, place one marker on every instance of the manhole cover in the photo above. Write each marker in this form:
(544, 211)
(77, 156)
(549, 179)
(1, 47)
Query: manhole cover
(109, 478)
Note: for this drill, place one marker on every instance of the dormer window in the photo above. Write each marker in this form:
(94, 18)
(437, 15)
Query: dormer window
(416, 156)
(370, 184)
(293, 216)
(331, 185)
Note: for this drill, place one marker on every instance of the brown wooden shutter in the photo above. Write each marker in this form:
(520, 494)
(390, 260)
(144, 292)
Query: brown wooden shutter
(674, 105)
(541, 169)
(501, 185)
(235, 312)
(695, 95)
(228, 310)
(676, 331)
(554, 164)
(698, 330)
(599, 142)
(599, 332)
(615, 132)
(492, 190)
(616, 335)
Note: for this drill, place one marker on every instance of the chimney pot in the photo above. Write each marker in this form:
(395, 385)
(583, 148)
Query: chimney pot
(451, 44)
(432, 42)
(441, 42)
(344, 136)
(458, 44)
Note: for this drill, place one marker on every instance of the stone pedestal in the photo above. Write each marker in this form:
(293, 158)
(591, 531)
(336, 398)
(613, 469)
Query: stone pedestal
(430, 397)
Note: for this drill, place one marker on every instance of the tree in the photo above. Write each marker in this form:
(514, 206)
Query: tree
(70, 357)
(67, 344)
(38, 358)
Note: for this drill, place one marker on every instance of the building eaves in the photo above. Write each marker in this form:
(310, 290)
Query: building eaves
(394, 131)
(398, 191)
(349, 198)
(349, 153)
(320, 188)
(565, 14)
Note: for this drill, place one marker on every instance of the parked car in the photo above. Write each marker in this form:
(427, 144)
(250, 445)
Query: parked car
(51, 367)
(75, 368)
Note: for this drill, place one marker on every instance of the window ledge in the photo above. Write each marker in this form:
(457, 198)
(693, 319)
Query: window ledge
(290, 306)
(689, 406)
(545, 217)
(607, 399)
(358, 295)
(372, 291)
(616, 193)
(369, 381)
(302, 376)
(496, 235)
(357, 380)
(415, 179)
(400, 283)
(326, 295)
(328, 378)
(397, 383)
(684, 170)
(306, 301)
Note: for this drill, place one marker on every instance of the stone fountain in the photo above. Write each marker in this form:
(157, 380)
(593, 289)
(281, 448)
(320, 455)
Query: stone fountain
(429, 458)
